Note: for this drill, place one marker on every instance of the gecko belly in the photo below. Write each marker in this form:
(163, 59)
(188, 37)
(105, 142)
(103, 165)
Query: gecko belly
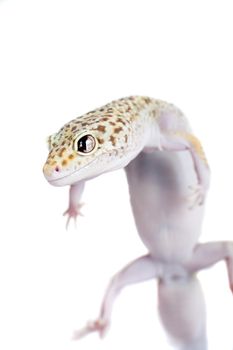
(161, 199)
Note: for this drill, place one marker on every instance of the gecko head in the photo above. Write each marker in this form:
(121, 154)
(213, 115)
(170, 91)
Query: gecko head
(87, 147)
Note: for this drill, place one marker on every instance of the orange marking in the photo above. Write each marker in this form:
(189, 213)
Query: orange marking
(63, 149)
(196, 144)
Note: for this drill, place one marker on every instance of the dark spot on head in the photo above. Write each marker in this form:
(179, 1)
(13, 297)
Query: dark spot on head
(74, 128)
(71, 156)
(101, 128)
(117, 130)
(101, 109)
(147, 99)
(120, 120)
(113, 140)
(101, 141)
(112, 123)
(63, 142)
(126, 138)
(64, 162)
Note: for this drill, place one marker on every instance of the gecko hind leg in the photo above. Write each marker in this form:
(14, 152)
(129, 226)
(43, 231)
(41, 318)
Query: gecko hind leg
(208, 254)
(139, 270)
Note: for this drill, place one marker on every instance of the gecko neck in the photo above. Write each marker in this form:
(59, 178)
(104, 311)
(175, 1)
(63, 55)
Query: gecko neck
(151, 130)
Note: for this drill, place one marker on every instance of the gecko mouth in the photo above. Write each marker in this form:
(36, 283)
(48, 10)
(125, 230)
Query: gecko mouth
(105, 159)
(60, 180)
(54, 181)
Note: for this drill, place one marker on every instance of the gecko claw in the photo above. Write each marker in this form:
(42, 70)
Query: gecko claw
(99, 326)
(197, 196)
(73, 213)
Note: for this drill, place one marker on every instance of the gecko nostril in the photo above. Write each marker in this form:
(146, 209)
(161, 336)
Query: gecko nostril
(57, 169)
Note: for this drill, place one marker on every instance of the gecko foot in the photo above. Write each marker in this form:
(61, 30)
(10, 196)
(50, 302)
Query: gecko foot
(98, 325)
(197, 196)
(73, 213)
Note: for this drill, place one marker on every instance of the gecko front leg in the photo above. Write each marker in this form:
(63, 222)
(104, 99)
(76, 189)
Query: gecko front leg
(184, 141)
(140, 270)
(75, 195)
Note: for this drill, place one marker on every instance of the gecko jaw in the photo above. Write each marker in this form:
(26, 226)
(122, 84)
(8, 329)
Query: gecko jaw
(60, 181)
(55, 181)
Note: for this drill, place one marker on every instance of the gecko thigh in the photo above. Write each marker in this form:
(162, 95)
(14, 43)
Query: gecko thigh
(208, 254)
(139, 270)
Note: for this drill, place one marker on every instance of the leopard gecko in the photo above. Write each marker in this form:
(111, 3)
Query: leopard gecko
(168, 178)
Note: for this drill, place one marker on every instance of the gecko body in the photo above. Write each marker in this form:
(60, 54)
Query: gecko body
(168, 178)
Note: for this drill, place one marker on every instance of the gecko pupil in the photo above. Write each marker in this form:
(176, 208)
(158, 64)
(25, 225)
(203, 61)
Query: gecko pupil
(86, 144)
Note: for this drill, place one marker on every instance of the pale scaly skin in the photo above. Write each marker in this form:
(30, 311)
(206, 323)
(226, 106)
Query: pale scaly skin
(168, 179)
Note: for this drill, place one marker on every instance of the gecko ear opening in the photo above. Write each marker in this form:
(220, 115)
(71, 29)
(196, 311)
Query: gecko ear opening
(85, 143)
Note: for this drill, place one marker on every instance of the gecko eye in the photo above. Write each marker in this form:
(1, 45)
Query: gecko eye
(85, 144)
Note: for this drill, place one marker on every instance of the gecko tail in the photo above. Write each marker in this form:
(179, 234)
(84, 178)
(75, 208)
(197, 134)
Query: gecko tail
(183, 313)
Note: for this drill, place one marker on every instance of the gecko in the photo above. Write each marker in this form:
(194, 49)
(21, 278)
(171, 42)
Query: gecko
(168, 179)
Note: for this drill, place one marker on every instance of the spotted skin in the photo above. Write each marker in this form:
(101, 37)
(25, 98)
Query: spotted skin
(117, 127)
(110, 123)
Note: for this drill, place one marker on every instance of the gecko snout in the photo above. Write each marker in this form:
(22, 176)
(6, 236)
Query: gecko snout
(51, 172)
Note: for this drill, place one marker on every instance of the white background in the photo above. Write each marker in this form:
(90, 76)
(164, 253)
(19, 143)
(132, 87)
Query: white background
(59, 59)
